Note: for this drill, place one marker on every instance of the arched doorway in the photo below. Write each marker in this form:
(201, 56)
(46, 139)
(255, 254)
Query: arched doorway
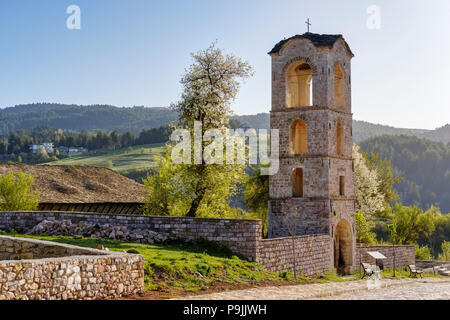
(343, 247)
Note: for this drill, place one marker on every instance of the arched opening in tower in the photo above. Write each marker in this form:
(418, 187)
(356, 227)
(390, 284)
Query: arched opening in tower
(340, 137)
(339, 88)
(298, 137)
(299, 84)
(343, 247)
(297, 182)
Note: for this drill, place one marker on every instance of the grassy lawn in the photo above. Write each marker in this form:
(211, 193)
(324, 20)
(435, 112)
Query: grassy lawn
(122, 160)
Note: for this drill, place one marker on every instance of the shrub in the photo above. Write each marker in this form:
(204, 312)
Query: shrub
(16, 193)
(445, 255)
(423, 253)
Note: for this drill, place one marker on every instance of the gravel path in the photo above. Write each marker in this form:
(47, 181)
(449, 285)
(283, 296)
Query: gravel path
(419, 290)
(390, 289)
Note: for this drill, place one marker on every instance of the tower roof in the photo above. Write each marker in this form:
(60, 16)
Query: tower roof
(319, 40)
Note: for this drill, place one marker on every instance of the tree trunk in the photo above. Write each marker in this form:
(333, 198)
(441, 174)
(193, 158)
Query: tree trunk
(196, 203)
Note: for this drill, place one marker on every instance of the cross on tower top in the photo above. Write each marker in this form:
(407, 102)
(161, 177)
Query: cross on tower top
(308, 24)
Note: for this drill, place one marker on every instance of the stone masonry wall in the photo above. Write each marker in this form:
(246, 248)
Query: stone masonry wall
(240, 235)
(313, 254)
(94, 275)
(23, 249)
(404, 255)
(424, 264)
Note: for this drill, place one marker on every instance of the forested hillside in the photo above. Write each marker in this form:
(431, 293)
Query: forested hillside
(74, 117)
(424, 164)
(109, 118)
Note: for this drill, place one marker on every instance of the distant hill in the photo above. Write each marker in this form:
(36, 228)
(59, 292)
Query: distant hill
(75, 117)
(362, 130)
(108, 118)
(424, 164)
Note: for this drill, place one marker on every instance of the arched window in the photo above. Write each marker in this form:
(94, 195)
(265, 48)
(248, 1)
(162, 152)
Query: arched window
(298, 137)
(299, 85)
(297, 182)
(339, 88)
(340, 137)
(342, 185)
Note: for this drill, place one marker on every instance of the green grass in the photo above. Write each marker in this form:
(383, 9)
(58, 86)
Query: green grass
(190, 267)
(137, 158)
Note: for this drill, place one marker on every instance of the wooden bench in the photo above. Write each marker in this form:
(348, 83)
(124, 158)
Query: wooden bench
(367, 270)
(414, 272)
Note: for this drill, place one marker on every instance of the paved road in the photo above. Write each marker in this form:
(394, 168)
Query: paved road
(419, 290)
(390, 289)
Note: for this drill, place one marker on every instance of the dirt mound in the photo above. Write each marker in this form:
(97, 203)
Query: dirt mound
(77, 184)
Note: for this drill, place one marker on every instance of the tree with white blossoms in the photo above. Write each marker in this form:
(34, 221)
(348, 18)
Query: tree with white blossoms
(368, 198)
(204, 188)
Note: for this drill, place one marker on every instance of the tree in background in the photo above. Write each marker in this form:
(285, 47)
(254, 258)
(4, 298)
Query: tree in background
(16, 193)
(166, 191)
(423, 253)
(386, 180)
(256, 194)
(369, 199)
(408, 223)
(363, 229)
(210, 84)
(445, 255)
(441, 232)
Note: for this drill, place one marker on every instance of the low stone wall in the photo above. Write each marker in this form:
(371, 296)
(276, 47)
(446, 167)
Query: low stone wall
(88, 274)
(23, 249)
(425, 264)
(239, 235)
(404, 255)
(313, 254)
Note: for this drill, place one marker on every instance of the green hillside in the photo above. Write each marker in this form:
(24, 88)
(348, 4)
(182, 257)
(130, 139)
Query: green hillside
(126, 161)
(77, 118)
(424, 164)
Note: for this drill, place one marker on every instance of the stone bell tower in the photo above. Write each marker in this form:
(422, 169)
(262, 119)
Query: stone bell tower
(311, 108)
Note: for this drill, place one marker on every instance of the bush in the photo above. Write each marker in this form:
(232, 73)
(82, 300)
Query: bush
(445, 255)
(423, 253)
(16, 193)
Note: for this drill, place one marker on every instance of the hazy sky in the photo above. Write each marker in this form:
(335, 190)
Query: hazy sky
(134, 52)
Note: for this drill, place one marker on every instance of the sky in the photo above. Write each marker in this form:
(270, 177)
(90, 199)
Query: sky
(134, 52)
